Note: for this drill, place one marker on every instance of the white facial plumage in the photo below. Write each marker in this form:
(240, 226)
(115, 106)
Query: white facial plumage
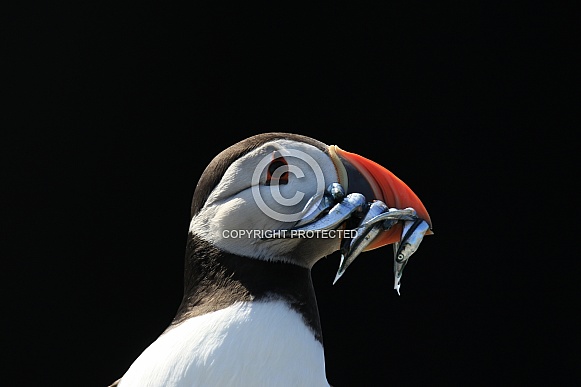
(233, 220)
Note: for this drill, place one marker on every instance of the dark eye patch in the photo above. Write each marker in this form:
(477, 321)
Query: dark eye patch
(219, 164)
(275, 164)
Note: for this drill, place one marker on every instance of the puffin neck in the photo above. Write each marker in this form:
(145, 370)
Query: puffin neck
(215, 279)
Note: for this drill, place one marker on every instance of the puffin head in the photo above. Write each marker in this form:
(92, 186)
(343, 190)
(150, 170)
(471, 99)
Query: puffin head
(268, 184)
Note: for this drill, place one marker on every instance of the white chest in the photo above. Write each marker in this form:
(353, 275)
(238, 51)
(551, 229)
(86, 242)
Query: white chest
(247, 344)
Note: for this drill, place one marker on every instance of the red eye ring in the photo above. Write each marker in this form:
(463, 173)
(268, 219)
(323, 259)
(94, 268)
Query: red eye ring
(272, 167)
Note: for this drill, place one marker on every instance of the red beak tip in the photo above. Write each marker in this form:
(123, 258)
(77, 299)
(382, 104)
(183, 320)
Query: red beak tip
(388, 188)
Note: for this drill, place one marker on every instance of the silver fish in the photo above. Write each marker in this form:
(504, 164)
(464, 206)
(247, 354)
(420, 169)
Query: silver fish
(364, 234)
(412, 235)
(340, 212)
(319, 204)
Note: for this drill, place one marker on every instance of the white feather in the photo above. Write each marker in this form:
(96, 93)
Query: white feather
(232, 207)
(247, 344)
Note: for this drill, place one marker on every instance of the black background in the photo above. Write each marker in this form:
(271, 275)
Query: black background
(115, 110)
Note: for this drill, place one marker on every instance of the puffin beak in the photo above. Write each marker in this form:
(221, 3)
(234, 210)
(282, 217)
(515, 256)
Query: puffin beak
(375, 182)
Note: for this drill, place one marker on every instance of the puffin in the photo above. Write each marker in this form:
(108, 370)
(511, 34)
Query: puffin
(249, 314)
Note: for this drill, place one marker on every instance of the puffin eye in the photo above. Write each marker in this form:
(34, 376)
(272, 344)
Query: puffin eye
(278, 177)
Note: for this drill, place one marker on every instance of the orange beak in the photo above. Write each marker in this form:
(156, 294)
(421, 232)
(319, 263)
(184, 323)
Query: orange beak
(358, 174)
